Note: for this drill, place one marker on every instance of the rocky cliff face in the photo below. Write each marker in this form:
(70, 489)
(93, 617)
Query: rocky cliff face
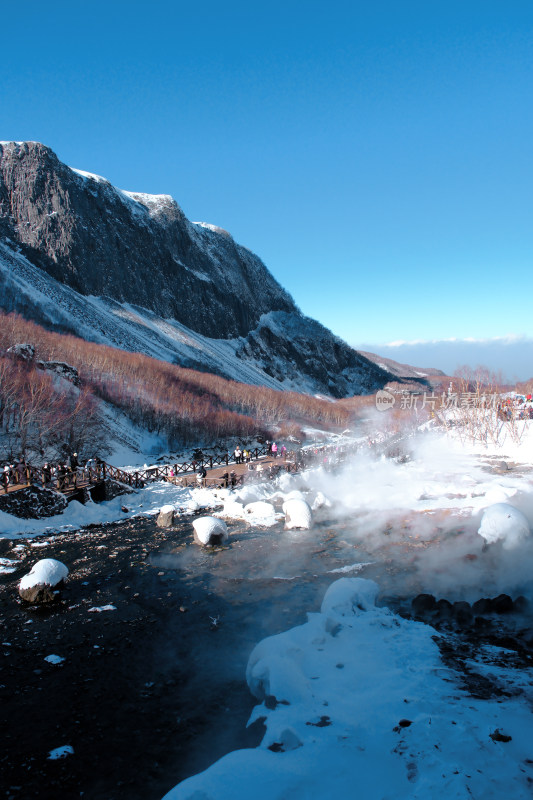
(130, 270)
(131, 247)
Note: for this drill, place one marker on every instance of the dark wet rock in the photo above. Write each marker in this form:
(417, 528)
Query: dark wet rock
(503, 465)
(498, 736)
(424, 604)
(503, 604)
(33, 502)
(482, 606)
(462, 613)
(323, 722)
(521, 604)
(41, 593)
(444, 609)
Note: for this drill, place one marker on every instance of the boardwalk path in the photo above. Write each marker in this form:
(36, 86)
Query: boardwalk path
(186, 473)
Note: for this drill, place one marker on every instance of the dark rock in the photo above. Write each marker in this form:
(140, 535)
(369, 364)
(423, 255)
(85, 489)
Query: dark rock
(498, 736)
(502, 604)
(108, 489)
(26, 352)
(33, 502)
(444, 609)
(482, 606)
(521, 604)
(41, 593)
(503, 465)
(424, 604)
(63, 370)
(462, 613)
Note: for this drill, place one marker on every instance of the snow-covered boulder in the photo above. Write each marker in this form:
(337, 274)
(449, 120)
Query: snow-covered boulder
(165, 518)
(210, 530)
(39, 585)
(248, 494)
(320, 501)
(505, 523)
(25, 351)
(260, 513)
(298, 514)
(349, 596)
(232, 509)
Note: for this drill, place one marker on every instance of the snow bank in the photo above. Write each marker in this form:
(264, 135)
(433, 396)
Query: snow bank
(210, 530)
(359, 704)
(47, 571)
(502, 522)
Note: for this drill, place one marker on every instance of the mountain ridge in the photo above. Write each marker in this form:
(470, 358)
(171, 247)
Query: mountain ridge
(129, 269)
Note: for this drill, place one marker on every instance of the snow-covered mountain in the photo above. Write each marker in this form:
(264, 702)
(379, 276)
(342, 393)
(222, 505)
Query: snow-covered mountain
(131, 270)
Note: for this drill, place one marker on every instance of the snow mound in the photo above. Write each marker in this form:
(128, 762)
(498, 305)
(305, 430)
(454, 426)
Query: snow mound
(505, 523)
(347, 597)
(262, 512)
(210, 530)
(298, 514)
(321, 501)
(47, 571)
(248, 494)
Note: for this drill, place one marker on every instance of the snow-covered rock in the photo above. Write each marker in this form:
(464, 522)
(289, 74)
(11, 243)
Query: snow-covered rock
(320, 501)
(261, 511)
(38, 586)
(210, 530)
(26, 351)
(298, 514)
(505, 523)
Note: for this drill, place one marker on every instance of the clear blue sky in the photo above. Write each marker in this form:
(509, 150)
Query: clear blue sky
(376, 155)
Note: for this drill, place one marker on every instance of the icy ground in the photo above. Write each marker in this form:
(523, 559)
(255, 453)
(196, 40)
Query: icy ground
(358, 700)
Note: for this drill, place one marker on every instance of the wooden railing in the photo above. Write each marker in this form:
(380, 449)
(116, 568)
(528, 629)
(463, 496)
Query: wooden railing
(68, 481)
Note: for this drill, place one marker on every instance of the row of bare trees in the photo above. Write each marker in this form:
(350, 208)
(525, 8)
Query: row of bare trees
(171, 400)
(42, 416)
(476, 406)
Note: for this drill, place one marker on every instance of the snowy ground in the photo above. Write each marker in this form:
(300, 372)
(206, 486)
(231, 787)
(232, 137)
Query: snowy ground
(357, 700)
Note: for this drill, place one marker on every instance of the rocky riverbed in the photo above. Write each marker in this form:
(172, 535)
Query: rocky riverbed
(151, 635)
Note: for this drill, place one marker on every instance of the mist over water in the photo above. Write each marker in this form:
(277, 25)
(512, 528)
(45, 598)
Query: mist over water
(411, 525)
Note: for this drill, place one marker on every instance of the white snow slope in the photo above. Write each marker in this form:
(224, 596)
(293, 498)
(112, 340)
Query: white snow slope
(136, 329)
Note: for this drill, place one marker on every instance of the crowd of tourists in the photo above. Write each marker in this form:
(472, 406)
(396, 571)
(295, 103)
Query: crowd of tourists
(50, 474)
(516, 407)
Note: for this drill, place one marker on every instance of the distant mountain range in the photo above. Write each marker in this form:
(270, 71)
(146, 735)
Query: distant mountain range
(78, 255)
